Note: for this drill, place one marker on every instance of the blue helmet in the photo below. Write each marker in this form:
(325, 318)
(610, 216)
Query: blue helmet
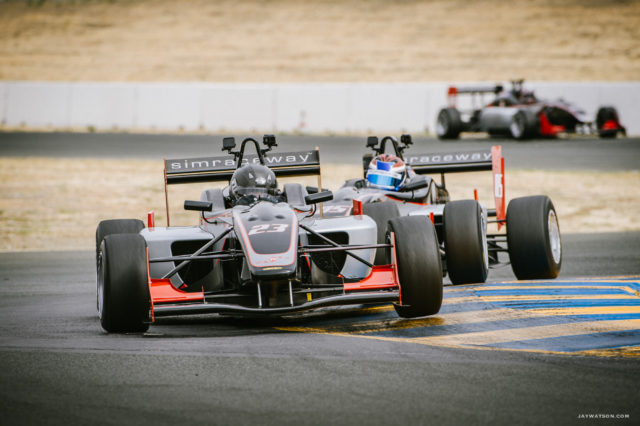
(387, 171)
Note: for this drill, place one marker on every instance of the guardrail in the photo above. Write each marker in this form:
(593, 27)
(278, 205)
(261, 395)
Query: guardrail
(302, 107)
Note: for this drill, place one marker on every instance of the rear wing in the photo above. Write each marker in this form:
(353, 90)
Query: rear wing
(221, 169)
(454, 91)
(469, 161)
(217, 169)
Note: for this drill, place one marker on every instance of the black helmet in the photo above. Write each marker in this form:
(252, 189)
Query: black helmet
(253, 179)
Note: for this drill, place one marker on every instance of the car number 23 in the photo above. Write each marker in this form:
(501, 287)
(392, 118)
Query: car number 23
(271, 227)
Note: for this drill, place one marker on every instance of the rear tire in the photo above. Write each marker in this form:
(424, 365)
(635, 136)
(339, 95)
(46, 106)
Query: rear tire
(533, 238)
(123, 291)
(448, 124)
(381, 213)
(524, 125)
(418, 265)
(606, 114)
(465, 242)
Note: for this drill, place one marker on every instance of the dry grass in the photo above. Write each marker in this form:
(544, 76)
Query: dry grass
(53, 204)
(325, 40)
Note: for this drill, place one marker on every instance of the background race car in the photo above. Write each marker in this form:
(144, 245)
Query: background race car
(259, 250)
(532, 238)
(519, 114)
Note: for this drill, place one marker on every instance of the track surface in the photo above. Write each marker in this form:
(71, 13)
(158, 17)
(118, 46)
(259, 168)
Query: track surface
(345, 366)
(553, 154)
(489, 357)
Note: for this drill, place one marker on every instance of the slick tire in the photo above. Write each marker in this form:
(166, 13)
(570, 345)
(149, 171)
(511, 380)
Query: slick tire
(418, 265)
(524, 125)
(533, 238)
(123, 291)
(116, 226)
(381, 213)
(606, 114)
(465, 242)
(448, 124)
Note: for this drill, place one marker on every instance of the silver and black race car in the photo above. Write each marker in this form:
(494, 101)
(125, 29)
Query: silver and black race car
(519, 114)
(532, 238)
(260, 250)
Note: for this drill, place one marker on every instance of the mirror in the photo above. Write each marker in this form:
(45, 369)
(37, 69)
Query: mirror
(200, 206)
(318, 197)
(416, 184)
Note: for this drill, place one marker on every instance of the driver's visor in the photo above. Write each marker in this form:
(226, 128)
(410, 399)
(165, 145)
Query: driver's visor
(383, 180)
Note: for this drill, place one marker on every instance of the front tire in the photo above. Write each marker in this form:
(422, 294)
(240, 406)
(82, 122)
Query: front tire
(116, 226)
(124, 301)
(465, 242)
(419, 266)
(533, 238)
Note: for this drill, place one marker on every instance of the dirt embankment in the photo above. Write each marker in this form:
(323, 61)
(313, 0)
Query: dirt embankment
(325, 40)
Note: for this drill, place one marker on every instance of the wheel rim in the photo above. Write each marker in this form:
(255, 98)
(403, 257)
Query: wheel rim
(554, 237)
(516, 126)
(441, 125)
(485, 247)
(100, 287)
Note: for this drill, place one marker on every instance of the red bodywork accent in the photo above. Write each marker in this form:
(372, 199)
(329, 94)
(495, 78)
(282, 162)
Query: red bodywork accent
(382, 277)
(610, 125)
(162, 291)
(391, 197)
(432, 217)
(151, 219)
(548, 129)
(357, 208)
(153, 318)
(497, 167)
(452, 94)
(475, 194)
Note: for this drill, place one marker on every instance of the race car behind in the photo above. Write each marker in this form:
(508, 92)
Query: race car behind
(519, 114)
(398, 184)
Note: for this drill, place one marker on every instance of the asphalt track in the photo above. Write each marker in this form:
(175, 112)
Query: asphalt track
(541, 352)
(552, 154)
(544, 352)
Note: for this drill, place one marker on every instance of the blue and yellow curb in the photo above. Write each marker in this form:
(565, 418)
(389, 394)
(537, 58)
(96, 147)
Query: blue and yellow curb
(586, 317)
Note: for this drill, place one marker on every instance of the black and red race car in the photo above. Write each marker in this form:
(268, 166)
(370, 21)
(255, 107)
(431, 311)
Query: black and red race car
(259, 249)
(519, 114)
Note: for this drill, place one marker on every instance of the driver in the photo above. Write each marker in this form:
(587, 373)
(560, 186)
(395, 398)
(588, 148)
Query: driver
(387, 171)
(253, 182)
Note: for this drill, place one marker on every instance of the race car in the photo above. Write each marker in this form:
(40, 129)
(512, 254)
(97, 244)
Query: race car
(259, 250)
(519, 114)
(395, 185)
